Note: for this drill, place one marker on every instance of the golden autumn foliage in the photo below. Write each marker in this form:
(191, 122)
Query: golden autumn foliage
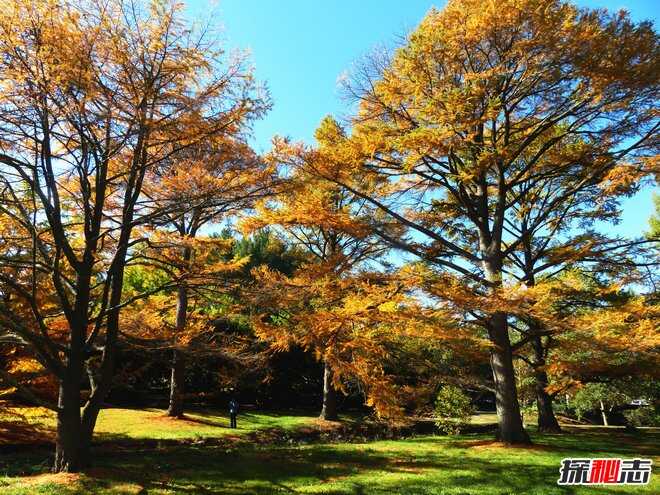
(491, 138)
(352, 324)
(205, 273)
(83, 130)
(193, 188)
(599, 330)
(327, 300)
(461, 210)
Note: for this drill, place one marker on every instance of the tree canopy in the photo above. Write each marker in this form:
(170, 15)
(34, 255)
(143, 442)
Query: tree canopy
(458, 219)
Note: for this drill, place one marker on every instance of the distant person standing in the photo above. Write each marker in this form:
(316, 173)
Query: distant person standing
(233, 412)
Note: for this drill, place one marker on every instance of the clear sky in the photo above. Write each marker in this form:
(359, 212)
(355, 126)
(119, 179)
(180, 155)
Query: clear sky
(301, 47)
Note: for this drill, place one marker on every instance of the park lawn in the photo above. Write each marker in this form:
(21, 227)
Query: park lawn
(153, 423)
(459, 465)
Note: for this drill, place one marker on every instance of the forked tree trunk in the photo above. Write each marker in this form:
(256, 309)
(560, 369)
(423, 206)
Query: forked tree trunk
(547, 422)
(329, 409)
(178, 372)
(75, 426)
(511, 429)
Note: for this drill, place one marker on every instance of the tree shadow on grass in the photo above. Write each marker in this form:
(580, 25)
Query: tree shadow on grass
(415, 466)
(253, 470)
(579, 442)
(216, 423)
(213, 470)
(605, 442)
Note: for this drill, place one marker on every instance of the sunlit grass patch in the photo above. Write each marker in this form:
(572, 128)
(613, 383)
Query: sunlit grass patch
(251, 464)
(154, 423)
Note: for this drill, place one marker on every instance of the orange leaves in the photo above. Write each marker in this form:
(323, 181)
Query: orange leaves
(307, 207)
(195, 266)
(341, 320)
(502, 131)
(632, 327)
(51, 66)
(597, 329)
(354, 323)
(329, 133)
(28, 371)
(190, 257)
(484, 84)
(134, 118)
(220, 177)
(30, 366)
(498, 128)
(153, 322)
(622, 179)
(323, 217)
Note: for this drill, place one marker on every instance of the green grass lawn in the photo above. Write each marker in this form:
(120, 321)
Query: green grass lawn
(151, 423)
(185, 463)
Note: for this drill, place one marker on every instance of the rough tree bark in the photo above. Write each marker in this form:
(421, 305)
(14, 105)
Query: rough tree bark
(511, 429)
(177, 387)
(329, 409)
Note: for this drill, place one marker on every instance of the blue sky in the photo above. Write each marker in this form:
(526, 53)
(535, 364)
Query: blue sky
(301, 47)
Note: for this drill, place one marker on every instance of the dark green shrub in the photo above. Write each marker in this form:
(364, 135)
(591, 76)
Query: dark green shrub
(643, 416)
(453, 409)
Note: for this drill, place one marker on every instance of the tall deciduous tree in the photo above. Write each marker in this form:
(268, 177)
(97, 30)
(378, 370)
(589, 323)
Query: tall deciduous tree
(94, 96)
(487, 100)
(201, 186)
(327, 221)
(554, 224)
(196, 271)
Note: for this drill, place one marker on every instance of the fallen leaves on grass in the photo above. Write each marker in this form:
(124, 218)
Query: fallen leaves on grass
(496, 445)
(51, 478)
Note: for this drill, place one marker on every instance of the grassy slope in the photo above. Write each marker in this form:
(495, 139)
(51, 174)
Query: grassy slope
(468, 464)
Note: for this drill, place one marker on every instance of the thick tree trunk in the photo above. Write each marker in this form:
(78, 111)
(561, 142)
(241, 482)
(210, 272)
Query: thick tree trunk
(329, 410)
(75, 427)
(511, 429)
(547, 422)
(72, 443)
(509, 420)
(177, 386)
(67, 447)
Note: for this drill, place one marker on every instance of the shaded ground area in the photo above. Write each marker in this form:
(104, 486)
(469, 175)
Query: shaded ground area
(292, 454)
